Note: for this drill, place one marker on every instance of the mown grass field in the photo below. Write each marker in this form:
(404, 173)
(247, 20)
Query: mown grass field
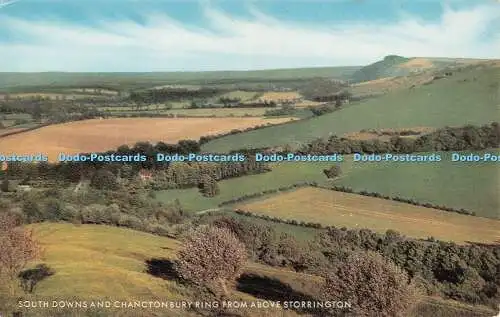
(473, 186)
(93, 262)
(470, 186)
(467, 97)
(103, 135)
(9, 120)
(220, 112)
(354, 211)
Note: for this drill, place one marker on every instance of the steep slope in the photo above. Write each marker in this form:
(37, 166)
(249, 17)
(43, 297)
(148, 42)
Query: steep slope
(384, 68)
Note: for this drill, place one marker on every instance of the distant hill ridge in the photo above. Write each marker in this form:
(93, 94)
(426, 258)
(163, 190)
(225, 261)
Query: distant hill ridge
(395, 65)
(388, 67)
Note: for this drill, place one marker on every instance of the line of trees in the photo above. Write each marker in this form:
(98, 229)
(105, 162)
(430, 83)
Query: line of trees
(165, 175)
(467, 273)
(213, 257)
(446, 139)
(172, 94)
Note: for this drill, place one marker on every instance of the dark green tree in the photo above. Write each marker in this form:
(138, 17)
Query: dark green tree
(104, 179)
(333, 171)
(208, 186)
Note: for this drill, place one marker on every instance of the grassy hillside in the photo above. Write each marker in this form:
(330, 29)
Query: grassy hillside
(94, 259)
(98, 263)
(468, 97)
(384, 68)
(394, 65)
(109, 263)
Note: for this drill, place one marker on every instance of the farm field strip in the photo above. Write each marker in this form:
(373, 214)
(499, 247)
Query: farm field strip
(355, 211)
(103, 135)
(217, 112)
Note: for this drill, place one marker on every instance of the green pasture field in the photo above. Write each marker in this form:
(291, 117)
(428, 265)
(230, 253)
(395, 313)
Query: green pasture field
(472, 186)
(282, 175)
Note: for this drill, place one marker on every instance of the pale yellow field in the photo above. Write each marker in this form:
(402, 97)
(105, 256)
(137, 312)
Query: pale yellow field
(107, 134)
(93, 260)
(387, 84)
(374, 82)
(417, 63)
(356, 211)
(308, 103)
(280, 95)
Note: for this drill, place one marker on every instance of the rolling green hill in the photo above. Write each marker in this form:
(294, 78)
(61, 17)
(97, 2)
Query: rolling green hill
(394, 66)
(467, 97)
(383, 68)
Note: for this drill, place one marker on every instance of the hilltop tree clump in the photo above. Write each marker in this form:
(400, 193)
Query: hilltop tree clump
(372, 285)
(212, 257)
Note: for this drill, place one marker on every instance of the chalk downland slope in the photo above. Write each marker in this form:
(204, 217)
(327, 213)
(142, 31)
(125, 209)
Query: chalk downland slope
(394, 65)
(469, 96)
(417, 63)
(386, 67)
(95, 263)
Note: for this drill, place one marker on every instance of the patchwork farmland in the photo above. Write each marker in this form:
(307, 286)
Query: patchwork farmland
(470, 93)
(353, 211)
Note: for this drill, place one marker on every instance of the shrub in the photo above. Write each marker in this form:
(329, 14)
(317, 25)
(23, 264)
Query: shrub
(211, 257)
(333, 171)
(208, 186)
(372, 285)
(104, 179)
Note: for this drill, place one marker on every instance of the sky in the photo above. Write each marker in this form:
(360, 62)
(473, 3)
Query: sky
(185, 35)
